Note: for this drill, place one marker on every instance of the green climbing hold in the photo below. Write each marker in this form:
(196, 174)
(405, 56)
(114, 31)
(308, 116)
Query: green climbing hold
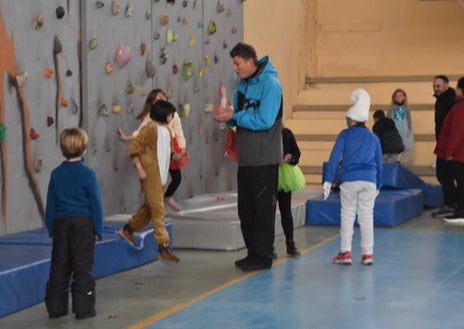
(188, 69)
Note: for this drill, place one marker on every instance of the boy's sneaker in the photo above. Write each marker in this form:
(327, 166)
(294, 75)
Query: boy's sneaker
(166, 255)
(57, 315)
(343, 258)
(443, 212)
(82, 316)
(126, 233)
(456, 218)
(367, 259)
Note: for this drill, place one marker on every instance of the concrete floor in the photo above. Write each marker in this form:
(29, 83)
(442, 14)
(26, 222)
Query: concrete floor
(154, 290)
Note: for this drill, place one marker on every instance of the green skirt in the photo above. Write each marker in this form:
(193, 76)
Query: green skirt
(291, 178)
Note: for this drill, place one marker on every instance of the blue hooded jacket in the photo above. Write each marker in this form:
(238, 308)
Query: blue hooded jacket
(258, 117)
(360, 154)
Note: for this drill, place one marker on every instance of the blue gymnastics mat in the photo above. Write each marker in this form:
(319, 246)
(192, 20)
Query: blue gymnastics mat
(392, 207)
(25, 262)
(395, 176)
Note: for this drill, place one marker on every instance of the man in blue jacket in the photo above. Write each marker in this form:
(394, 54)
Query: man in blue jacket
(257, 115)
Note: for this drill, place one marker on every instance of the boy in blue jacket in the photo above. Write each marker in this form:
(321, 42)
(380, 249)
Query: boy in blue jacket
(360, 154)
(74, 219)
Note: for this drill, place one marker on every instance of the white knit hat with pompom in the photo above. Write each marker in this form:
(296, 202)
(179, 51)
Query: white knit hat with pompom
(360, 110)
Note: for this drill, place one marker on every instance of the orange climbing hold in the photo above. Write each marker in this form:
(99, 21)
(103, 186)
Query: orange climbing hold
(48, 73)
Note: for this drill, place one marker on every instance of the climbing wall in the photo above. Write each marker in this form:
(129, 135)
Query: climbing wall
(91, 64)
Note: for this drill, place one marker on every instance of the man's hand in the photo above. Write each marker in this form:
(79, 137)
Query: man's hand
(222, 114)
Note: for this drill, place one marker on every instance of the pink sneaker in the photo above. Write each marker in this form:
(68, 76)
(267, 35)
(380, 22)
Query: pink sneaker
(172, 204)
(367, 259)
(343, 258)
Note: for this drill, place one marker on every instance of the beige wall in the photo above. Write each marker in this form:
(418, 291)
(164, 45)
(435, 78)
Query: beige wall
(276, 28)
(355, 38)
(389, 37)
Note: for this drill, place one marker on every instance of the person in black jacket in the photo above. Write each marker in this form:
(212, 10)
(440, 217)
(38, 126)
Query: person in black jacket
(445, 97)
(290, 179)
(390, 139)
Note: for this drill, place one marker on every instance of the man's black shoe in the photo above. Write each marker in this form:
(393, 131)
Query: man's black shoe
(240, 262)
(249, 266)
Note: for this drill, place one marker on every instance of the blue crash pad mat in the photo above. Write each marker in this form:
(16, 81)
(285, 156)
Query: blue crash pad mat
(395, 176)
(392, 207)
(25, 262)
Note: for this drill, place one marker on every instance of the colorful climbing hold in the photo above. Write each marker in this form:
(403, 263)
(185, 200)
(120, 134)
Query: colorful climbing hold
(129, 10)
(108, 68)
(169, 36)
(21, 79)
(143, 48)
(104, 110)
(188, 69)
(163, 55)
(207, 60)
(220, 7)
(123, 55)
(60, 12)
(33, 134)
(2, 132)
(115, 8)
(185, 110)
(48, 73)
(211, 27)
(150, 69)
(117, 108)
(164, 19)
(191, 41)
(130, 88)
(175, 69)
(93, 43)
(38, 22)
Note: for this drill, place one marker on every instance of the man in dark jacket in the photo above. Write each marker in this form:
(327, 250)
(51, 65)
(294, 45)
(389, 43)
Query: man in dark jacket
(390, 139)
(445, 97)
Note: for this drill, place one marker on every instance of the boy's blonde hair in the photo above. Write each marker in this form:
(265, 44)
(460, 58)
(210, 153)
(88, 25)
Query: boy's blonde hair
(73, 142)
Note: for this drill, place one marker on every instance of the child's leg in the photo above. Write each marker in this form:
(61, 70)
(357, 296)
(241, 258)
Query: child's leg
(366, 201)
(143, 215)
(82, 246)
(286, 218)
(154, 197)
(348, 197)
(56, 298)
(141, 218)
(176, 178)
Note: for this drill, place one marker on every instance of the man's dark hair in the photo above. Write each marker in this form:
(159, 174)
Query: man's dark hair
(442, 77)
(460, 83)
(244, 51)
(160, 111)
(379, 115)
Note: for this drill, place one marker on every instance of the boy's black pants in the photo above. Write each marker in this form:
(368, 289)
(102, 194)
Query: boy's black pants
(73, 253)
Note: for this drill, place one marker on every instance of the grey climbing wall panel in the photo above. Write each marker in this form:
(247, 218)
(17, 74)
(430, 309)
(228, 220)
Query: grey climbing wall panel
(79, 86)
